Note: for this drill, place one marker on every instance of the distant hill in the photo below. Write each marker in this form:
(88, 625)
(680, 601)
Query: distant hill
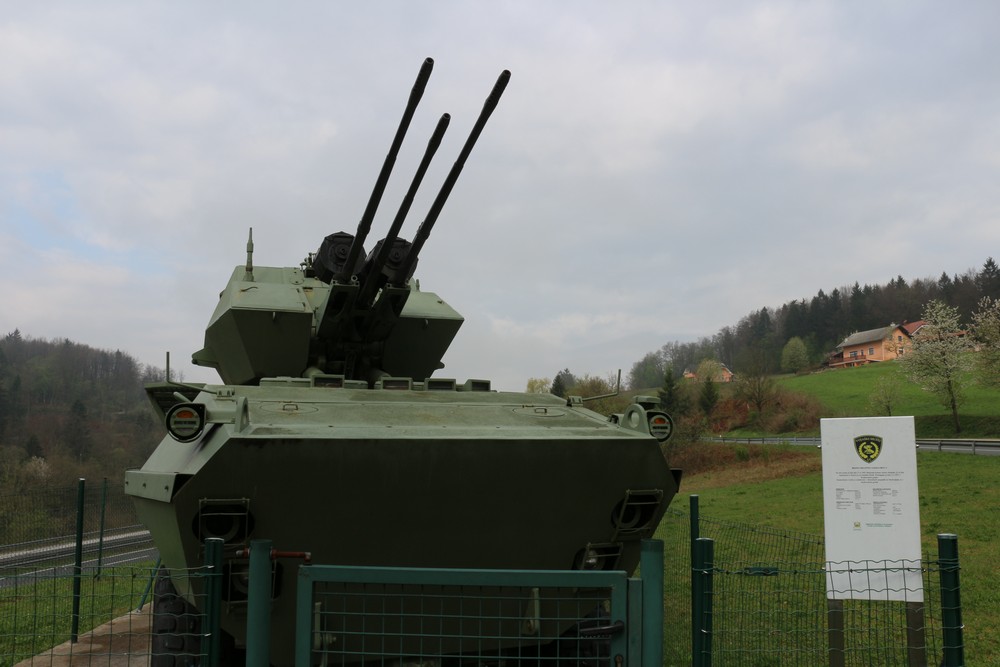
(69, 410)
(821, 322)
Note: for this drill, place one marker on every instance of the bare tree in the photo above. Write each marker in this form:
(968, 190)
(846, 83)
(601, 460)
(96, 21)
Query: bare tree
(753, 383)
(885, 395)
(647, 372)
(538, 386)
(591, 386)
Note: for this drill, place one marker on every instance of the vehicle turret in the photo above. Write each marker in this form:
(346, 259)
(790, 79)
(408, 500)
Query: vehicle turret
(344, 311)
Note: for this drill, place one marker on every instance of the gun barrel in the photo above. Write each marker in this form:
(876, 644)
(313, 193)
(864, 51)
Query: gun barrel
(428, 224)
(367, 291)
(365, 225)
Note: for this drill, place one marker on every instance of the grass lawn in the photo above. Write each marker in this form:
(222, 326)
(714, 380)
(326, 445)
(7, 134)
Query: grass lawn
(845, 393)
(36, 608)
(958, 494)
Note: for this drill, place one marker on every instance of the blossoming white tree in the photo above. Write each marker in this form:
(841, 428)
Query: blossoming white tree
(986, 334)
(938, 359)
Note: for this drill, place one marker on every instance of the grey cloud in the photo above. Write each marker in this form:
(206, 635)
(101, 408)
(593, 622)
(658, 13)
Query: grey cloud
(655, 171)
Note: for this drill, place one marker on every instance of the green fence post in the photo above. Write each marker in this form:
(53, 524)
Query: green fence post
(77, 561)
(835, 633)
(953, 645)
(304, 619)
(651, 567)
(259, 605)
(694, 519)
(696, 601)
(211, 646)
(100, 531)
(149, 584)
(701, 588)
(635, 628)
(695, 532)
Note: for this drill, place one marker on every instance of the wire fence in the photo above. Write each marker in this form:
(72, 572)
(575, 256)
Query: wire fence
(766, 603)
(759, 596)
(40, 623)
(779, 614)
(734, 542)
(51, 617)
(42, 526)
(674, 532)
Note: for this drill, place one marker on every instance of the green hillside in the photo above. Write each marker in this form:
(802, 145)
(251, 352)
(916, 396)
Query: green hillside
(68, 410)
(845, 393)
(958, 494)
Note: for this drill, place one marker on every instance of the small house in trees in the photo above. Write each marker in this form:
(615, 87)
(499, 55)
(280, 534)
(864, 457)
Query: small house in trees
(724, 374)
(874, 345)
(912, 327)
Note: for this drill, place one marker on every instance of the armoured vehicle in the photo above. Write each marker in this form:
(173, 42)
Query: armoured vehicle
(331, 435)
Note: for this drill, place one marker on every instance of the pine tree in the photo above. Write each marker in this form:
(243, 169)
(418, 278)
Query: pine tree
(986, 333)
(673, 400)
(562, 383)
(988, 280)
(708, 397)
(33, 448)
(77, 431)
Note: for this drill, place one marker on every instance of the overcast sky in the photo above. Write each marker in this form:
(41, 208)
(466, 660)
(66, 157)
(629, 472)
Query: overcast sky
(654, 171)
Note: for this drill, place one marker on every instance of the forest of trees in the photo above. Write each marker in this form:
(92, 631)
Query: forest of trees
(758, 340)
(68, 410)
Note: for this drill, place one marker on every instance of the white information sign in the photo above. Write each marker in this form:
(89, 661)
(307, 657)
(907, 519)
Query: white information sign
(871, 509)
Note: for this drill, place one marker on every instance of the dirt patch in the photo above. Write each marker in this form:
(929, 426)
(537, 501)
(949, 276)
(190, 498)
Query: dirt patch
(752, 472)
(123, 642)
(716, 465)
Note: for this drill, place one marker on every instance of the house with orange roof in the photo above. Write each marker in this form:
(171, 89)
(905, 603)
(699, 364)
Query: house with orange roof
(724, 374)
(874, 346)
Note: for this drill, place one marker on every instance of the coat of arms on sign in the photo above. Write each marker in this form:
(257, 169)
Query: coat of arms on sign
(868, 447)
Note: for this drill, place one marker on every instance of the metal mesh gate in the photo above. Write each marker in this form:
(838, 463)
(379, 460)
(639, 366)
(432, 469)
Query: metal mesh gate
(445, 617)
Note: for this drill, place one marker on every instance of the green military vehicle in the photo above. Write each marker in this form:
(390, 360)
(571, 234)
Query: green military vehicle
(330, 435)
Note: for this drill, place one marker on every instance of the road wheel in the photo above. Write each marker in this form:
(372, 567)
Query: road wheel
(176, 625)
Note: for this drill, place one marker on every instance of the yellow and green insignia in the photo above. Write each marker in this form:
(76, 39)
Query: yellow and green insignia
(868, 447)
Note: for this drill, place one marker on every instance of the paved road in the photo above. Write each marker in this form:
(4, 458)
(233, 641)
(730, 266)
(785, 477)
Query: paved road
(66, 570)
(977, 447)
(63, 548)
